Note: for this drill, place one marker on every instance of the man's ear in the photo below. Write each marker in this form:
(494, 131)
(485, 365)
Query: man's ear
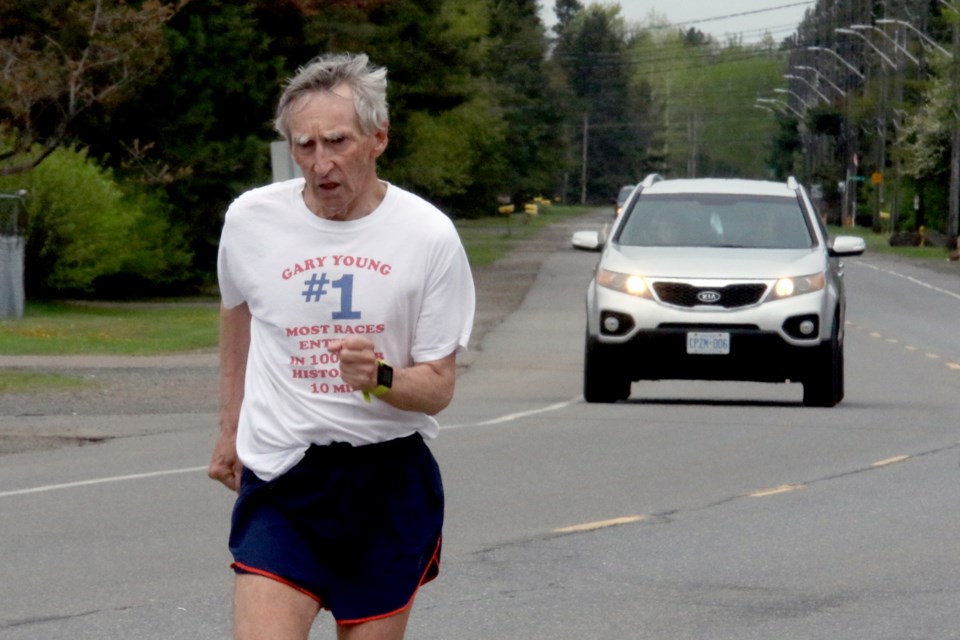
(380, 142)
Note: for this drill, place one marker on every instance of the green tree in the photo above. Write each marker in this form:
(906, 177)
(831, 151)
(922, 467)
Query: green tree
(611, 111)
(706, 94)
(60, 58)
(199, 135)
(565, 11)
(471, 117)
(85, 234)
(529, 104)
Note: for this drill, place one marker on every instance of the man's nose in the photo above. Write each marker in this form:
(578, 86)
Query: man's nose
(321, 161)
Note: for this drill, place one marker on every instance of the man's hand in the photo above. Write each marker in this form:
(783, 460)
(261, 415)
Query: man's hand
(358, 362)
(426, 387)
(225, 466)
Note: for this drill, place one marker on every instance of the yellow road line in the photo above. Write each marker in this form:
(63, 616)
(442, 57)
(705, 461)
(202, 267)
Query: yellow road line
(784, 488)
(889, 461)
(953, 365)
(601, 524)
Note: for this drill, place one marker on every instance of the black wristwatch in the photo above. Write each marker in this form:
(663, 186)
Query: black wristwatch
(384, 378)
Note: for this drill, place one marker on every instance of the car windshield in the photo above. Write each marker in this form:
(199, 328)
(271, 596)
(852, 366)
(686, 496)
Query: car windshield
(695, 220)
(624, 194)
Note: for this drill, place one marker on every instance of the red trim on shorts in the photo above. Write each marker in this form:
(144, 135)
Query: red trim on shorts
(239, 566)
(431, 571)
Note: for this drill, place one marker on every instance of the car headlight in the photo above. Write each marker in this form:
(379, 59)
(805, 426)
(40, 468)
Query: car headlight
(790, 287)
(624, 282)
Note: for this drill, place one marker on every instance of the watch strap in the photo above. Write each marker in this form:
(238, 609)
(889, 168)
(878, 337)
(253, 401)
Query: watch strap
(381, 388)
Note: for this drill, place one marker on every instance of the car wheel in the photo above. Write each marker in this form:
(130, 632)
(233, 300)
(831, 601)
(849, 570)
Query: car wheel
(603, 378)
(823, 385)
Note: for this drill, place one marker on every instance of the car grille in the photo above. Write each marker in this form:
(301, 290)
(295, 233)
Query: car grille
(732, 296)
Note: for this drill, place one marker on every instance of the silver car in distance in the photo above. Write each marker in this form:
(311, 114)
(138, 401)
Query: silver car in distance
(716, 279)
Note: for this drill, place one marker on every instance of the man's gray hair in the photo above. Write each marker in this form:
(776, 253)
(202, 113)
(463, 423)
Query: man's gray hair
(323, 73)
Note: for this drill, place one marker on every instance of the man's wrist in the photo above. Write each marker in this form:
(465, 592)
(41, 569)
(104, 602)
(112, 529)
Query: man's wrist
(384, 381)
(384, 378)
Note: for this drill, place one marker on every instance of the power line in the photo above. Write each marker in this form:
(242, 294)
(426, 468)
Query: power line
(730, 16)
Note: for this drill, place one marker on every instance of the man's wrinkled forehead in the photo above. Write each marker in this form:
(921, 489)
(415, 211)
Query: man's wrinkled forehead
(339, 93)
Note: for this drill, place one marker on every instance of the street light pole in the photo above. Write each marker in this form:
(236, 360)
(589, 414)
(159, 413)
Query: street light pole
(782, 104)
(881, 117)
(794, 94)
(927, 40)
(840, 58)
(876, 49)
(898, 49)
(790, 76)
(819, 75)
(896, 45)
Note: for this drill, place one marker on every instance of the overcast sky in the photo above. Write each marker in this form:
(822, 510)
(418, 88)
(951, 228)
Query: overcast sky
(749, 18)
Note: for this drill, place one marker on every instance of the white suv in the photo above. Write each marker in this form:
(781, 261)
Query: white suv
(716, 279)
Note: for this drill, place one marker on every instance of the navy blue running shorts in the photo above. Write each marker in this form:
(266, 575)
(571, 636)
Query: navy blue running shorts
(355, 528)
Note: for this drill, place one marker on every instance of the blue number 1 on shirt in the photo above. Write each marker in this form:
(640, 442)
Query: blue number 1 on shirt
(345, 284)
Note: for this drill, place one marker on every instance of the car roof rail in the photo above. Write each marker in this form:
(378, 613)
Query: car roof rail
(650, 179)
(792, 183)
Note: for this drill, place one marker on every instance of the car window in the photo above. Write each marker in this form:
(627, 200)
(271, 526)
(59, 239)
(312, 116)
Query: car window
(684, 220)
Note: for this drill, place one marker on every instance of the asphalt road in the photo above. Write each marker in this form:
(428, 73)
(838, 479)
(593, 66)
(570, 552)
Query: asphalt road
(694, 510)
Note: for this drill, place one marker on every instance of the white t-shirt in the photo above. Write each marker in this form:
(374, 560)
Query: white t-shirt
(398, 276)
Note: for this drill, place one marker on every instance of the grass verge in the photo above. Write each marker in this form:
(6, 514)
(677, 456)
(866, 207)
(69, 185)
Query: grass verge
(38, 382)
(77, 328)
(62, 328)
(487, 240)
(71, 328)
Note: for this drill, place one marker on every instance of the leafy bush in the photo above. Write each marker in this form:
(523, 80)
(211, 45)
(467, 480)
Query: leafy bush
(85, 235)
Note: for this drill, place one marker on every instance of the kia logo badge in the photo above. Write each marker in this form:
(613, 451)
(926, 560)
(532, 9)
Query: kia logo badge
(708, 297)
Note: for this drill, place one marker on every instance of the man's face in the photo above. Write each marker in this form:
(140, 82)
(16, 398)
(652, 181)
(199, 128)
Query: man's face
(338, 160)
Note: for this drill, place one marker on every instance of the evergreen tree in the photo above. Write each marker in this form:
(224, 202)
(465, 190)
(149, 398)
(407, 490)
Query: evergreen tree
(607, 114)
(199, 136)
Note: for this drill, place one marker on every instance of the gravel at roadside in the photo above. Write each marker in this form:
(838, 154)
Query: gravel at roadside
(187, 383)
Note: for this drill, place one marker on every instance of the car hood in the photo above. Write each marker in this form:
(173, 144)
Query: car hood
(713, 262)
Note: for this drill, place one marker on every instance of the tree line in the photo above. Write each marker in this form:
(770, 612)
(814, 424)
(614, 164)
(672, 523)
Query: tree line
(133, 124)
(870, 111)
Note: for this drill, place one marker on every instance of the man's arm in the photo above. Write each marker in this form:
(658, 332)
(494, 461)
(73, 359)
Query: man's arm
(234, 345)
(426, 387)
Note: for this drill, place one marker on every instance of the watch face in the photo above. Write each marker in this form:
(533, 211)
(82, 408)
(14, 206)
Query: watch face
(384, 375)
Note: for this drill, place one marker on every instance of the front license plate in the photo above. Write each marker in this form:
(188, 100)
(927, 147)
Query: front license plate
(712, 343)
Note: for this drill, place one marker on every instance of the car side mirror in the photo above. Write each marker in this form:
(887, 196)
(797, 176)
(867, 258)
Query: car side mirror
(847, 246)
(587, 240)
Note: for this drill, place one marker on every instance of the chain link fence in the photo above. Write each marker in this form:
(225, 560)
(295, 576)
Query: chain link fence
(12, 230)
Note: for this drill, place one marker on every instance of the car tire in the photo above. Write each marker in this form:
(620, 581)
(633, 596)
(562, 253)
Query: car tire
(603, 377)
(824, 384)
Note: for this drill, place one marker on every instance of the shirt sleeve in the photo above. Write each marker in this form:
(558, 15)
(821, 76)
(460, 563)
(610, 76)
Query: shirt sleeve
(230, 294)
(446, 316)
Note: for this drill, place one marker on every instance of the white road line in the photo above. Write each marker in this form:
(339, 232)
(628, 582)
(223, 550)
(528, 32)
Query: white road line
(84, 483)
(510, 417)
(910, 278)
(155, 474)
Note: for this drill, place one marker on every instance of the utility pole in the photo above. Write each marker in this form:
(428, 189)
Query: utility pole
(955, 146)
(583, 168)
